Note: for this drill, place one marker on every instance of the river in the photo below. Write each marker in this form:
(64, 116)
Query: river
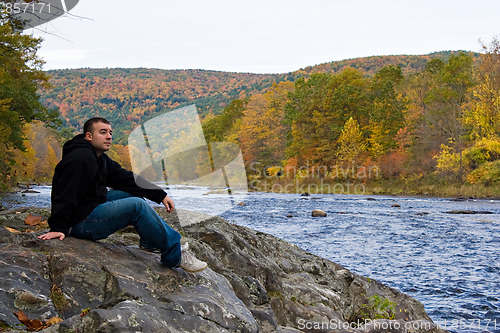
(449, 262)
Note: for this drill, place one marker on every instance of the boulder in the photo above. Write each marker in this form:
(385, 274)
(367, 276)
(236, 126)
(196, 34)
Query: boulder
(318, 213)
(255, 283)
(460, 199)
(30, 191)
(468, 212)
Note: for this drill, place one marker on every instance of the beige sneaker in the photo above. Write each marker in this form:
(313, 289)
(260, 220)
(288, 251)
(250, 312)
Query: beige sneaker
(189, 262)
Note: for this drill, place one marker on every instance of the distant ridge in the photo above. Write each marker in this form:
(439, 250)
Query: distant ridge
(371, 65)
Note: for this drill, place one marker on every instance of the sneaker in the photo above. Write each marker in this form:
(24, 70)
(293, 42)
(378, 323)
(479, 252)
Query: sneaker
(189, 262)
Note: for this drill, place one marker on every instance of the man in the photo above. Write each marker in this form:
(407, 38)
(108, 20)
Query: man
(82, 207)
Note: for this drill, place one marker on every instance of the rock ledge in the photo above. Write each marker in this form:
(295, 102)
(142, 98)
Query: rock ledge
(255, 283)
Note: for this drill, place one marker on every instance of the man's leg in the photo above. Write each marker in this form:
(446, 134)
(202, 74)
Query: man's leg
(114, 215)
(113, 195)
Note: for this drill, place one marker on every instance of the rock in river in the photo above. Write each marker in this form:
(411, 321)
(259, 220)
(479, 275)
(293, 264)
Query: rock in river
(468, 212)
(318, 213)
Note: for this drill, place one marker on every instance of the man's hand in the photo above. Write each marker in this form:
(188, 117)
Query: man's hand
(53, 234)
(168, 203)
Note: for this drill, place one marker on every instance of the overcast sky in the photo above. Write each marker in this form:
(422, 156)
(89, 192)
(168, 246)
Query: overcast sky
(259, 36)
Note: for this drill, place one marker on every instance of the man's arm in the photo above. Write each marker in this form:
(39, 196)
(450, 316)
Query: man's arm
(125, 180)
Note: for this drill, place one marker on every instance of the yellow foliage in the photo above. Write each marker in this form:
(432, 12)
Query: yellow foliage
(481, 161)
(487, 174)
(274, 171)
(485, 150)
(351, 143)
(482, 111)
(261, 131)
(376, 148)
(447, 160)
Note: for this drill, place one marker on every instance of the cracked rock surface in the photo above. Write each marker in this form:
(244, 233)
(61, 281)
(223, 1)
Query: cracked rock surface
(255, 283)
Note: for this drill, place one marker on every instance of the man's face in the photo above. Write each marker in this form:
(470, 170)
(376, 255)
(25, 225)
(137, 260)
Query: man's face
(100, 138)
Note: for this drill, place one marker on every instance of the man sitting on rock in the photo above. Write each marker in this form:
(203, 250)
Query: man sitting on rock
(82, 207)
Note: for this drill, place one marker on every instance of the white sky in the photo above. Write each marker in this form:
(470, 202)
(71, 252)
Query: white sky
(260, 36)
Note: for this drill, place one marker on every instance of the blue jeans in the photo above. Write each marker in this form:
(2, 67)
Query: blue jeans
(121, 210)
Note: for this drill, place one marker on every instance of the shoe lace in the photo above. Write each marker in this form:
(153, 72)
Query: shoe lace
(188, 257)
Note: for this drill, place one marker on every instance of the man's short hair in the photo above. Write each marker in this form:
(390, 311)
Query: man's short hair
(89, 124)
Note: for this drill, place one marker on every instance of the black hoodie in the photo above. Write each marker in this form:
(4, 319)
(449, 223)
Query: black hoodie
(80, 184)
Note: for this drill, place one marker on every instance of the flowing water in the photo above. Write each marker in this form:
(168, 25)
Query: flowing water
(449, 262)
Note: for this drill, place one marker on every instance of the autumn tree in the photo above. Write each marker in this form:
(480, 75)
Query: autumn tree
(482, 112)
(436, 98)
(306, 105)
(480, 161)
(262, 132)
(317, 111)
(120, 154)
(351, 144)
(21, 76)
(25, 167)
(386, 110)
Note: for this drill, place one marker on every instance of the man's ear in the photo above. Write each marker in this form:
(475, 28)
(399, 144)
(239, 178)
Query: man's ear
(88, 136)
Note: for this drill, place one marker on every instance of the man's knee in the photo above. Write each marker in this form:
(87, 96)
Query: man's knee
(139, 203)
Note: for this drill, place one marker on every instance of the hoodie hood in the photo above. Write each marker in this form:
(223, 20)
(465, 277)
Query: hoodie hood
(77, 142)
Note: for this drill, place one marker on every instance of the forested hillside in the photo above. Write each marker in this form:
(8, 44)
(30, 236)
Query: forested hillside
(417, 131)
(128, 97)
(371, 65)
(407, 118)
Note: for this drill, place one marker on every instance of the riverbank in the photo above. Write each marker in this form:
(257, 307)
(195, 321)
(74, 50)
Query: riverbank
(431, 187)
(422, 186)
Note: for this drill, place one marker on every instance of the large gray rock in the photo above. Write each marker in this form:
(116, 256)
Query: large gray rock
(254, 283)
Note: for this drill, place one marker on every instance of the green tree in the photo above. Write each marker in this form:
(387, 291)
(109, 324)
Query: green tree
(220, 128)
(386, 111)
(303, 113)
(446, 97)
(21, 76)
